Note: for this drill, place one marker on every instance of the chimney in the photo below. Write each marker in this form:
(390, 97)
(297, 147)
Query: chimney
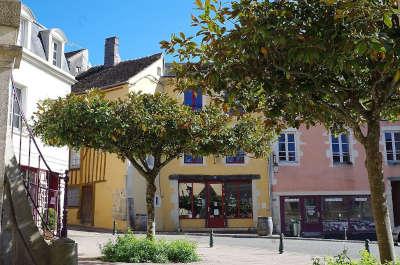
(111, 52)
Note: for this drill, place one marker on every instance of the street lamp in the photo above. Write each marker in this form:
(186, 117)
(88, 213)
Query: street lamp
(275, 165)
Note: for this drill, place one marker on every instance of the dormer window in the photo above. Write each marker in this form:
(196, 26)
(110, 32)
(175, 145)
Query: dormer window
(23, 33)
(56, 53)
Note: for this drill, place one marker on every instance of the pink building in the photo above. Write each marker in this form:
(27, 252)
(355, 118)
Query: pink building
(322, 182)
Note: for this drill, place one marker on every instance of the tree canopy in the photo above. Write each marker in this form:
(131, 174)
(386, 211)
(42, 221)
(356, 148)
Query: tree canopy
(334, 62)
(143, 125)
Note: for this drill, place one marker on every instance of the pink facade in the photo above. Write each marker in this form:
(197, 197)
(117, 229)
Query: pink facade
(310, 170)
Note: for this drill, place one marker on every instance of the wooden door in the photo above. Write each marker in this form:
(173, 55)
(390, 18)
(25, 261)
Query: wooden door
(86, 210)
(396, 202)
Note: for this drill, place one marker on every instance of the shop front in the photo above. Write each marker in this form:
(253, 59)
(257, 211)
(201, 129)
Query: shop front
(224, 202)
(327, 216)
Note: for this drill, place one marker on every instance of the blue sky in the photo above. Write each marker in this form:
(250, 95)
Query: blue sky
(140, 24)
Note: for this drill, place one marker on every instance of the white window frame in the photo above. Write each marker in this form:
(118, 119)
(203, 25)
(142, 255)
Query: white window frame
(392, 132)
(23, 35)
(341, 155)
(287, 149)
(56, 52)
(22, 107)
(74, 159)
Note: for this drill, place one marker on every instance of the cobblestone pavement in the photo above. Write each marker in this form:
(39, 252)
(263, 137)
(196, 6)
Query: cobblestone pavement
(235, 250)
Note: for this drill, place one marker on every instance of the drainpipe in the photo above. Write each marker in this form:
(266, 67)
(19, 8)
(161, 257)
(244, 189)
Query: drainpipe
(270, 176)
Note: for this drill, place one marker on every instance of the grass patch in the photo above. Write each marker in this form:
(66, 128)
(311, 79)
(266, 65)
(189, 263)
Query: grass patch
(131, 249)
(342, 259)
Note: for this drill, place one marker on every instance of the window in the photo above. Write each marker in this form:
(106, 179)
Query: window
(192, 200)
(340, 148)
(190, 159)
(73, 196)
(194, 100)
(238, 159)
(392, 144)
(238, 200)
(287, 147)
(17, 111)
(75, 159)
(23, 33)
(56, 53)
(335, 209)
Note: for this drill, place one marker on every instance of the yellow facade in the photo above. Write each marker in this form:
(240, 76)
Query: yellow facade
(114, 177)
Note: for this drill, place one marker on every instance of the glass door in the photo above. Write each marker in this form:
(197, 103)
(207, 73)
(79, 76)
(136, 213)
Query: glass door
(215, 206)
(311, 224)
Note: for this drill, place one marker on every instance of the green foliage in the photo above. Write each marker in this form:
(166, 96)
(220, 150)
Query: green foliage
(342, 259)
(49, 221)
(330, 62)
(142, 125)
(132, 249)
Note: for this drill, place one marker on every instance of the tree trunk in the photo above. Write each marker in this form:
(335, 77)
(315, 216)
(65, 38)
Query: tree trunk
(150, 193)
(373, 163)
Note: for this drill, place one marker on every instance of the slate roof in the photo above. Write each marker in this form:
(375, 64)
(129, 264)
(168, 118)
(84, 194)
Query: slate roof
(72, 53)
(103, 76)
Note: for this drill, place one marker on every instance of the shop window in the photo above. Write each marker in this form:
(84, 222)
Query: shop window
(340, 149)
(192, 200)
(238, 200)
(360, 209)
(292, 211)
(191, 159)
(73, 196)
(335, 209)
(239, 158)
(392, 144)
(287, 147)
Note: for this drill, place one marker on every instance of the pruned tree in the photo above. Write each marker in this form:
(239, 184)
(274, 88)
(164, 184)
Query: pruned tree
(304, 62)
(143, 125)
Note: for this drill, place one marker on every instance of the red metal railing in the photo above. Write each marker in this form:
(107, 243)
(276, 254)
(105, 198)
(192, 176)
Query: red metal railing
(46, 190)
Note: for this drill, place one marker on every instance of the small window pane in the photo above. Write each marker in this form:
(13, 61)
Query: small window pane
(231, 200)
(73, 195)
(335, 148)
(344, 139)
(291, 147)
(189, 159)
(390, 156)
(397, 136)
(290, 137)
(282, 138)
(388, 137)
(336, 159)
(199, 200)
(335, 139)
(389, 146)
(292, 156)
(346, 158)
(185, 200)
(282, 147)
(245, 203)
(345, 148)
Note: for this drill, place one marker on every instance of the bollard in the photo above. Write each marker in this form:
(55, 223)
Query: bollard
(345, 233)
(281, 244)
(211, 238)
(367, 245)
(114, 230)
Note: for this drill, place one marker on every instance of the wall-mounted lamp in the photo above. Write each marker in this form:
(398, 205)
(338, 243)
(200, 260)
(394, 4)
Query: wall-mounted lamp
(275, 165)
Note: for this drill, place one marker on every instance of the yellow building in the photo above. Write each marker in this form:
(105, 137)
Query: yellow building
(193, 193)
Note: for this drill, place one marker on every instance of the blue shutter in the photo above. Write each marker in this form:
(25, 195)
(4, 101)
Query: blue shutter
(188, 98)
(199, 100)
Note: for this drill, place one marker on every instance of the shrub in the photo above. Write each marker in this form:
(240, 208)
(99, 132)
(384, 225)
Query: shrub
(132, 249)
(342, 259)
